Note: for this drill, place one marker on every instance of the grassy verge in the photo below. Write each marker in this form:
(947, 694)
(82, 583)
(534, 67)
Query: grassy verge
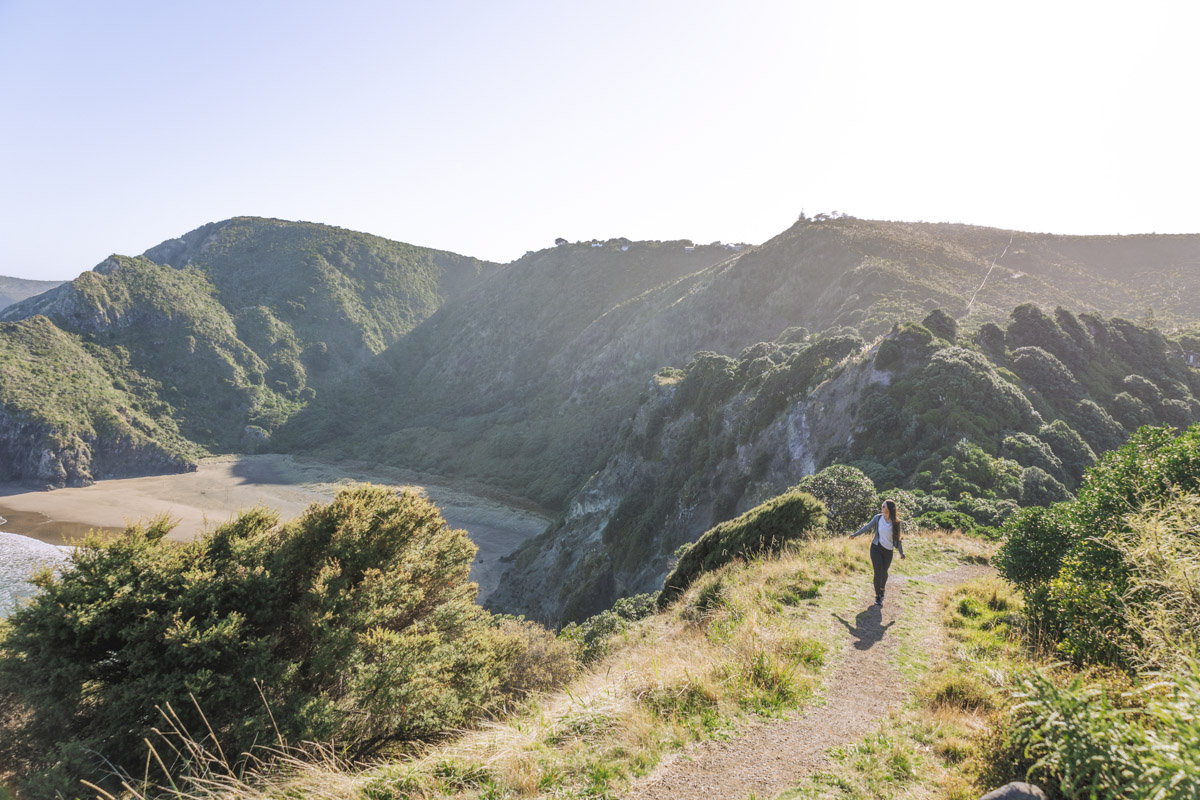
(749, 641)
(941, 744)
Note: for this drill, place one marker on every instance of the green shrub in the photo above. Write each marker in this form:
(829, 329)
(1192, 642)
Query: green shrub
(1030, 327)
(531, 659)
(969, 397)
(592, 638)
(1098, 427)
(355, 623)
(764, 528)
(1037, 540)
(848, 494)
(941, 324)
(1030, 451)
(1072, 451)
(969, 469)
(1131, 412)
(1047, 374)
(991, 338)
(1078, 583)
(1088, 741)
(1039, 488)
(1143, 389)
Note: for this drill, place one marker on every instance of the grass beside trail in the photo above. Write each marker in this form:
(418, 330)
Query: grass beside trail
(939, 744)
(749, 641)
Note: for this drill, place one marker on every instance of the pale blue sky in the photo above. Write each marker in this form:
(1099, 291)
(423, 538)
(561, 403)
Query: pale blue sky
(490, 128)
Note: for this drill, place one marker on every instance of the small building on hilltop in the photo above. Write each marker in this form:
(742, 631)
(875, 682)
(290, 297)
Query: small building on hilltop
(1190, 358)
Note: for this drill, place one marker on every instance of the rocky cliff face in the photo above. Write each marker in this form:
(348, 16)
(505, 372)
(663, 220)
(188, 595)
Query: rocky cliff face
(34, 452)
(663, 488)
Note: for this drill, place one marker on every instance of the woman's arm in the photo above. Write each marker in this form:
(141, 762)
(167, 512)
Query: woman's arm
(899, 544)
(866, 527)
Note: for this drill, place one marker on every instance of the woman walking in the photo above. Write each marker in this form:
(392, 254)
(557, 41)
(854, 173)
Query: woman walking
(886, 525)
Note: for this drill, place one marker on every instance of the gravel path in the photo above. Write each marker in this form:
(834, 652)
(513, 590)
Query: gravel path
(773, 756)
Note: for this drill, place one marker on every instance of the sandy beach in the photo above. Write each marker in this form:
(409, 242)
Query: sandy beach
(223, 486)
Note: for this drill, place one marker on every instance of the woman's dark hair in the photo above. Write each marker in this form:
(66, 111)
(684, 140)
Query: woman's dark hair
(893, 515)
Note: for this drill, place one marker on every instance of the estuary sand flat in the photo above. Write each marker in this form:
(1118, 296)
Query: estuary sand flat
(223, 486)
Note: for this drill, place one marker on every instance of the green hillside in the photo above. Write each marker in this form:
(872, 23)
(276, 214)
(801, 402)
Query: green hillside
(225, 333)
(479, 389)
(263, 334)
(71, 410)
(1001, 417)
(522, 382)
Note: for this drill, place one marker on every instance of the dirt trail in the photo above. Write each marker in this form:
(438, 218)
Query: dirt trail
(856, 696)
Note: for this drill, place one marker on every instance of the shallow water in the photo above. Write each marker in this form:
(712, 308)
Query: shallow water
(20, 557)
(39, 526)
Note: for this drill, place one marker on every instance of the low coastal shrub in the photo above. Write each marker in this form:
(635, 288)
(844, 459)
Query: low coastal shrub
(1079, 580)
(355, 623)
(848, 494)
(763, 529)
(591, 638)
(1110, 580)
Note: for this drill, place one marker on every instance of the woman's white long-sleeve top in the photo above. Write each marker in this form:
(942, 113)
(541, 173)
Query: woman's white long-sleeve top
(882, 541)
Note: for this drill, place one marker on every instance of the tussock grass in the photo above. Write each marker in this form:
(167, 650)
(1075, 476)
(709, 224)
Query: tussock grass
(744, 642)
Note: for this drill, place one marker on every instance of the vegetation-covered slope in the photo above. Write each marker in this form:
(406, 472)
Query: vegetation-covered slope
(475, 391)
(229, 330)
(954, 687)
(14, 290)
(261, 333)
(522, 382)
(64, 416)
(355, 623)
(996, 415)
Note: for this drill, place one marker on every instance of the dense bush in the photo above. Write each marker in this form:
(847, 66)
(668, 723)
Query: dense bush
(968, 469)
(941, 324)
(592, 638)
(1131, 412)
(1047, 374)
(1072, 451)
(356, 623)
(1029, 326)
(1030, 451)
(1077, 581)
(1098, 427)
(1040, 488)
(1037, 540)
(991, 338)
(764, 528)
(848, 494)
(970, 396)
(530, 658)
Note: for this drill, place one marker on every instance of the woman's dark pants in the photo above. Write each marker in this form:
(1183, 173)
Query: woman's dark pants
(881, 559)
